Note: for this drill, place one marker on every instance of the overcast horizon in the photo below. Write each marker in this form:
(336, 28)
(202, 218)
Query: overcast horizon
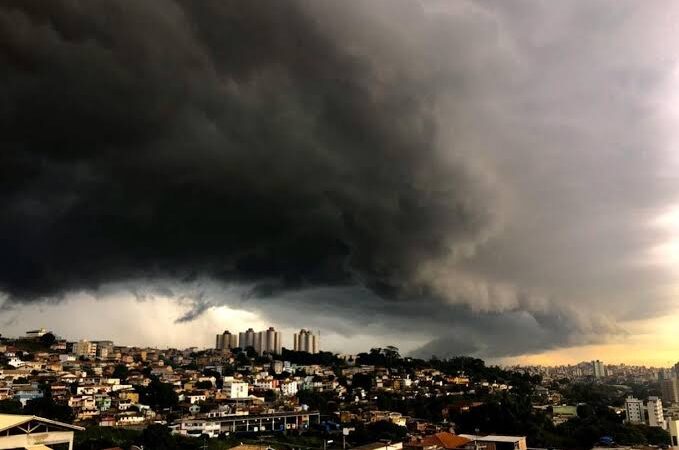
(487, 178)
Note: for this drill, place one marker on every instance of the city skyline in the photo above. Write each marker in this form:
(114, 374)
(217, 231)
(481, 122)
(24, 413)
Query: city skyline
(597, 369)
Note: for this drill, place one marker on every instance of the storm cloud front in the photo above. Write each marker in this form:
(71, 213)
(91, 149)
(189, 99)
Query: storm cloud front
(473, 175)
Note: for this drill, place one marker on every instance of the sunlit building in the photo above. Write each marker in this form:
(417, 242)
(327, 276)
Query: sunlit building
(599, 369)
(635, 410)
(656, 418)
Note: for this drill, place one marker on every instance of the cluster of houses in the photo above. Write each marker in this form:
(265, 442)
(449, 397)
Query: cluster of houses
(215, 391)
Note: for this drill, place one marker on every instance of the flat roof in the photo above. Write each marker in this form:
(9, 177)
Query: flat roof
(493, 438)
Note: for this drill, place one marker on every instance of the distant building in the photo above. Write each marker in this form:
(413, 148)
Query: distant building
(85, 348)
(234, 389)
(306, 341)
(665, 374)
(25, 431)
(226, 341)
(36, 334)
(104, 349)
(669, 389)
(673, 428)
(656, 417)
(635, 410)
(599, 369)
(269, 341)
(247, 339)
(496, 442)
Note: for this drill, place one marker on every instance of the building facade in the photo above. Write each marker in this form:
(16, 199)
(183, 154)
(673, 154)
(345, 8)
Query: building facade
(599, 369)
(306, 341)
(85, 348)
(226, 341)
(673, 428)
(635, 410)
(235, 389)
(269, 341)
(656, 418)
(669, 390)
(247, 339)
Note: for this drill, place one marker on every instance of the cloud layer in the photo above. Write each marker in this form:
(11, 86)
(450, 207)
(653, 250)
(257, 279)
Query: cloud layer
(484, 172)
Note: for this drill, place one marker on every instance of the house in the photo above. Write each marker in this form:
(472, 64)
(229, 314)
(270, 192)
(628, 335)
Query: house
(195, 397)
(380, 446)
(20, 431)
(438, 441)
(496, 442)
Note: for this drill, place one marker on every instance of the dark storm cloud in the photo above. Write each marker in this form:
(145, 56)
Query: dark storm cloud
(215, 139)
(424, 165)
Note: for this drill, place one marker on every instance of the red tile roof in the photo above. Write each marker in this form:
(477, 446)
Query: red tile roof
(445, 440)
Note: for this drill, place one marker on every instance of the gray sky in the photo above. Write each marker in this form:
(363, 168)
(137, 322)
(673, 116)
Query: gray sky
(493, 178)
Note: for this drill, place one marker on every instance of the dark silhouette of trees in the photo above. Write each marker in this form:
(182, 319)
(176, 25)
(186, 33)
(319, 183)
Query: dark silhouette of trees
(48, 339)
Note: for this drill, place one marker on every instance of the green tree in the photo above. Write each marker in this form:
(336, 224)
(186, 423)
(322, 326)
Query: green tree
(204, 385)
(10, 406)
(47, 408)
(158, 437)
(120, 371)
(158, 394)
(48, 339)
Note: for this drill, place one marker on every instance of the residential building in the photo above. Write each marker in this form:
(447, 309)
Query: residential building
(289, 388)
(673, 428)
(25, 431)
(669, 389)
(665, 374)
(246, 339)
(496, 442)
(233, 389)
(656, 417)
(85, 348)
(306, 341)
(635, 410)
(226, 341)
(104, 349)
(269, 341)
(599, 369)
(437, 441)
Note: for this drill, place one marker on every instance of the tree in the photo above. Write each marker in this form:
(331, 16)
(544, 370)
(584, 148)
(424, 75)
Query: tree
(120, 371)
(270, 395)
(362, 380)
(219, 380)
(204, 385)
(242, 359)
(48, 339)
(10, 406)
(158, 437)
(47, 408)
(158, 394)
